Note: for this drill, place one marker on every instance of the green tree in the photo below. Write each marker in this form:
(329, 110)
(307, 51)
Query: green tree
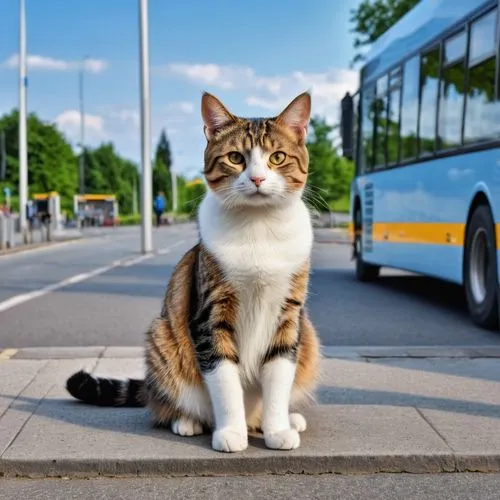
(52, 164)
(162, 179)
(372, 18)
(329, 174)
(107, 172)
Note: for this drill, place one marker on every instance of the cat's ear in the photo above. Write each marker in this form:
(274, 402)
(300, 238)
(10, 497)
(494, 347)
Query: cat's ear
(297, 114)
(215, 115)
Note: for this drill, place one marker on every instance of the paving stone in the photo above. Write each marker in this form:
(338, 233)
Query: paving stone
(59, 352)
(65, 437)
(123, 352)
(49, 373)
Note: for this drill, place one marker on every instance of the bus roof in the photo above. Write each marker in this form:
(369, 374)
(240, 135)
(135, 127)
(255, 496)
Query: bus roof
(95, 197)
(419, 27)
(44, 196)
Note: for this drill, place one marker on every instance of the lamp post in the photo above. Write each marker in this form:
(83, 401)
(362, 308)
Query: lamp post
(82, 128)
(146, 177)
(23, 153)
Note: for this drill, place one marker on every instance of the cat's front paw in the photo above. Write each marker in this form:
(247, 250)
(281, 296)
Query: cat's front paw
(298, 422)
(230, 439)
(287, 439)
(186, 427)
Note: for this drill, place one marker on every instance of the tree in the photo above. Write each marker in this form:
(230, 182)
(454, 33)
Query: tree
(372, 18)
(162, 178)
(108, 172)
(192, 195)
(329, 174)
(52, 165)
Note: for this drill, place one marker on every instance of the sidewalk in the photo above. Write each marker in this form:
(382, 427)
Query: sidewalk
(337, 235)
(58, 237)
(379, 410)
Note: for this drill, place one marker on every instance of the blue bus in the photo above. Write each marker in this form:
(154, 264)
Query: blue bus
(424, 133)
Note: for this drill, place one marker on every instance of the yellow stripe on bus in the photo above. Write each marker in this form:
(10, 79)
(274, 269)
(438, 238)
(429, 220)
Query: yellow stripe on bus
(428, 233)
(433, 233)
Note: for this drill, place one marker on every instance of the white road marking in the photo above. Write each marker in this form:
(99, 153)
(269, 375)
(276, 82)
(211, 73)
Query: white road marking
(78, 278)
(164, 251)
(131, 262)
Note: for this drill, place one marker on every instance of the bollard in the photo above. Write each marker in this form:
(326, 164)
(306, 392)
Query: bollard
(3, 232)
(11, 236)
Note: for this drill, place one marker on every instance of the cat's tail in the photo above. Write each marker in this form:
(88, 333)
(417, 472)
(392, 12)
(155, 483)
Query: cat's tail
(102, 391)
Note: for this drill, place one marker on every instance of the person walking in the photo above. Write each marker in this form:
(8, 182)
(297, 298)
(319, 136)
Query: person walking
(159, 207)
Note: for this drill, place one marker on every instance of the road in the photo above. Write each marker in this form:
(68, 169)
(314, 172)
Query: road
(101, 291)
(307, 487)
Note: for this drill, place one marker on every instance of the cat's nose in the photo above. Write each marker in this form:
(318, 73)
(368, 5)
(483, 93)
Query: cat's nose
(257, 180)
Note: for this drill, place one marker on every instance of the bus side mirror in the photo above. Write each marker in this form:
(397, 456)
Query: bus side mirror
(346, 126)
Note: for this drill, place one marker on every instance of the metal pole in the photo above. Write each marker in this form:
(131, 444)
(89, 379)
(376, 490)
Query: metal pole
(82, 130)
(173, 175)
(3, 164)
(146, 177)
(134, 196)
(23, 154)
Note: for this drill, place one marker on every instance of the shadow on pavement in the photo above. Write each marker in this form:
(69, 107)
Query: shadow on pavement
(137, 421)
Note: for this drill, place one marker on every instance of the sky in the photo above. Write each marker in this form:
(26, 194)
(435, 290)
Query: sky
(255, 57)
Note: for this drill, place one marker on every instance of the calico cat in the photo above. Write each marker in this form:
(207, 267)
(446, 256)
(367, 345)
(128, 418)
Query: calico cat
(233, 348)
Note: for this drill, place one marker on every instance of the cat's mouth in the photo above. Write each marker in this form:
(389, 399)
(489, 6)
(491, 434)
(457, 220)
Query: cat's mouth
(258, 193)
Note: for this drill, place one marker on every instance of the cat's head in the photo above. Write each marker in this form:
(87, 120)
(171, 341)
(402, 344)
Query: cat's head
(256, 161)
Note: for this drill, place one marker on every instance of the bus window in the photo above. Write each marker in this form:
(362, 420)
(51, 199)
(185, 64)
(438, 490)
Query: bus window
(482, 38)
(367, 121)
(409, 109)
(482, 115)
(381, 122)
(429, 72)
(355, 128)
(393, 117)
(452, 92)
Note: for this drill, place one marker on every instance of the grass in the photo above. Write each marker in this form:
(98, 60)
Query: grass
(135, 219)
(341, 205)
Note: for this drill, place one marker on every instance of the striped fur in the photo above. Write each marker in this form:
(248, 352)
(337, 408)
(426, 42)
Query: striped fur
(233, 346)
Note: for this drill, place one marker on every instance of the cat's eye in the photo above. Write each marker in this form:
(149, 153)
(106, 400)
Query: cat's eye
(235, 157)
(277, 158)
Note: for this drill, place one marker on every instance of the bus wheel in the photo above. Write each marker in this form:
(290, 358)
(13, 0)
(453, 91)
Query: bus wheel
(480, 269)
(364, 270)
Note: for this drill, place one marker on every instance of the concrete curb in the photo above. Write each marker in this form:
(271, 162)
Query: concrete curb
(239, 465)
(38, 246)
(340, 352)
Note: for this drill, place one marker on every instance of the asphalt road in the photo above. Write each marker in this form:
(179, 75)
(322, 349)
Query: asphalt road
(99, 291)
(336, 487)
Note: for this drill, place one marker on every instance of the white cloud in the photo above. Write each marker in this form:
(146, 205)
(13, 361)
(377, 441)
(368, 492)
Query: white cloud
(272, 92)
(327, 89)
(69, 123)
(182, 107)
(127, 115)
(71, 117)
(225, 77)
(262, 102)
(37, 62)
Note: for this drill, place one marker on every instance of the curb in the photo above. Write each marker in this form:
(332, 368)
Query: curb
(328, 352)
(38, 246)
(291, 462)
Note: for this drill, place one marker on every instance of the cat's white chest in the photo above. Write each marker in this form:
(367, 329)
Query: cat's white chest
(258, 257)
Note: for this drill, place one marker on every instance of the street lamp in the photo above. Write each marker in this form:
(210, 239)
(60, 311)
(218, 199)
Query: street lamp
(82, 128)
(146, 177)
(23, 153)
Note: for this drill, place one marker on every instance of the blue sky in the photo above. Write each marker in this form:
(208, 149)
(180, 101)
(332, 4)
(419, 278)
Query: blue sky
(254, 56)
